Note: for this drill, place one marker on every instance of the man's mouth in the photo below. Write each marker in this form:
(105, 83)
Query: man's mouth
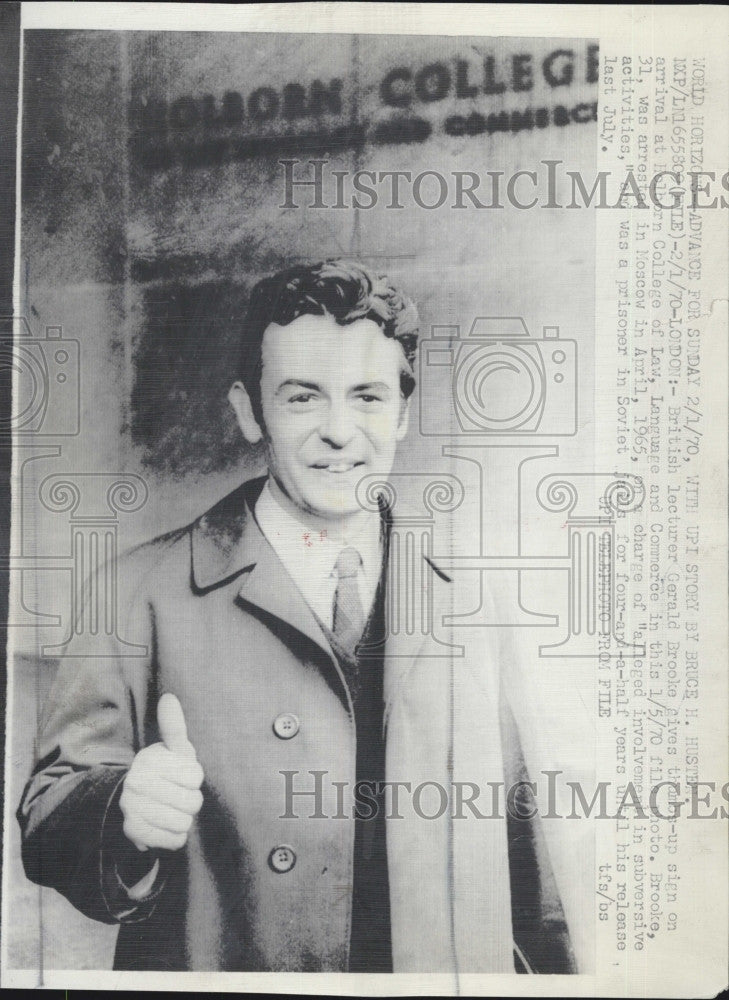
(336, 467)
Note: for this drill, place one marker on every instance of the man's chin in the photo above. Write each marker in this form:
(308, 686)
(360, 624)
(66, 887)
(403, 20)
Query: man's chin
(336, 499)
(335, 512)
(334, 505)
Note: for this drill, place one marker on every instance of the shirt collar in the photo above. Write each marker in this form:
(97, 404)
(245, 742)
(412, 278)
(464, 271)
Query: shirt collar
(311, 550)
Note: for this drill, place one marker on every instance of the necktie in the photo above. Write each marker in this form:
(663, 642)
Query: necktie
(348, 619)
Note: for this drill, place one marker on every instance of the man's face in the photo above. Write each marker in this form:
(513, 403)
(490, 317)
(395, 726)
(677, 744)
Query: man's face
(332, 409)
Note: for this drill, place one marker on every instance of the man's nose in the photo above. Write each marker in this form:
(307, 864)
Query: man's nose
(337, 426)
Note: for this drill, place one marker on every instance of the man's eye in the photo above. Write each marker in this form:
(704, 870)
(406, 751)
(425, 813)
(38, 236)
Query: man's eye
(367, 397)
(302, 397)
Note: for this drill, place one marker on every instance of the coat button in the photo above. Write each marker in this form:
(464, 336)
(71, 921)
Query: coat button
(285, 725)
(282, 858)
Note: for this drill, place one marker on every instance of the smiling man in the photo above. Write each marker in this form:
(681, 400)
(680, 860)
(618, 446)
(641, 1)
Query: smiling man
(200, 782)
(157, 801)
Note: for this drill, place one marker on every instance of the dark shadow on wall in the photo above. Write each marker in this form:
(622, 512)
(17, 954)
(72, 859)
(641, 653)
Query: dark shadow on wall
(186, 359)
(73, 200)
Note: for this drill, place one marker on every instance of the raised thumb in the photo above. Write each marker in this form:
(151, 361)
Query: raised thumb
(171, 722)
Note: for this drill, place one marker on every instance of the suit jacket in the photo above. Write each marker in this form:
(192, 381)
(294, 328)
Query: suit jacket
(209, 613)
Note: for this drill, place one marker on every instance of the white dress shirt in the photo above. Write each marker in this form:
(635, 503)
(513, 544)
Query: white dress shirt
(309, 555)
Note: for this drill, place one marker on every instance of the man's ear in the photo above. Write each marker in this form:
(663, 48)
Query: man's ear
(241, 402)
(402, 427)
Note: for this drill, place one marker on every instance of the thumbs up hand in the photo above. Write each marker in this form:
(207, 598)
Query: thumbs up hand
(161, 794)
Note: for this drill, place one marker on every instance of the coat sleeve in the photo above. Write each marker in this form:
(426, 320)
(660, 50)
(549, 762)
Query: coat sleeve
(93, 725)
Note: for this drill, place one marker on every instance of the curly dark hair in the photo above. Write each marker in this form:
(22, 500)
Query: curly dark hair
(345, 290)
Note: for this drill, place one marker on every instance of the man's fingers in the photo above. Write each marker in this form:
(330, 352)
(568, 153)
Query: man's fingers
(163, 817)
(156, 765)
(188, 774)
(186, 798)
(143, 835)
(171, 722)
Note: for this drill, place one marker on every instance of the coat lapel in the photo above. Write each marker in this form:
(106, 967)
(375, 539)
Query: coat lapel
(443, 726)
(268, 586)
(227, 543)
(418, 752)
(418, 597)
(416, 682)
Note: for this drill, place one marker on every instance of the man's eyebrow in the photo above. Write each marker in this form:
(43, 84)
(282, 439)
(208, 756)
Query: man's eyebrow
(379, 386)
(299, 384)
